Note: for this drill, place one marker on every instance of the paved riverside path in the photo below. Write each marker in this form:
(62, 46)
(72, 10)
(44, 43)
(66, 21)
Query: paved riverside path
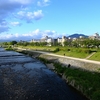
(48, 53)
(25, 78)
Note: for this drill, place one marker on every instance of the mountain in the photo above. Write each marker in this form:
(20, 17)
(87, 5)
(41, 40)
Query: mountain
(77, 35)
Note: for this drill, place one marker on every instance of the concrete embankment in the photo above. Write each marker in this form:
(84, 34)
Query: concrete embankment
(74, 62)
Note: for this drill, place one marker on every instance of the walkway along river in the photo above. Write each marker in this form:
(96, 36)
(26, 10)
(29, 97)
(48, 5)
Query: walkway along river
(25, 78)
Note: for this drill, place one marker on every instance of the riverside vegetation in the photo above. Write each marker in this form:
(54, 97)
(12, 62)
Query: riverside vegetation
(80, 48)
(68, 51)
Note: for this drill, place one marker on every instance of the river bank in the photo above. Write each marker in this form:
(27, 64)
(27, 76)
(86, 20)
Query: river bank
(26, 78)
(79, 79)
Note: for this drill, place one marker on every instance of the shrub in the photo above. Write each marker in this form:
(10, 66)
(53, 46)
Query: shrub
(68, 49)
(87, 51)
(96, 95)
(56, 50)
(9, 48)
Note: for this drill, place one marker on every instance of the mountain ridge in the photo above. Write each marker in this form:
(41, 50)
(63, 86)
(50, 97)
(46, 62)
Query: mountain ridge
(76, 35)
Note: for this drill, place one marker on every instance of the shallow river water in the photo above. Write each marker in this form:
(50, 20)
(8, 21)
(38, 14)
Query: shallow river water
(26, 78)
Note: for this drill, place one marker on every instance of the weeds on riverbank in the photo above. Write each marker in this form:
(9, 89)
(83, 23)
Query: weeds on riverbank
(45, 61)
(9, 48)
(86, 82)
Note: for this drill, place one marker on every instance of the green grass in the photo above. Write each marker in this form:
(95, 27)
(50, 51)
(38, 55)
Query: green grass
(73, 54)
(9, 48)
(86, 82)
(96, 56)
(68, 51)
(42, 48)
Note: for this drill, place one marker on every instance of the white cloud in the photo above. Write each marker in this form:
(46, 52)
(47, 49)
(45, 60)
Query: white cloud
(38, 14)
(19, 9)
(7, 8)
(36, 34)
(43, 3)
(15, 23)
(10, 5)
(29, 16)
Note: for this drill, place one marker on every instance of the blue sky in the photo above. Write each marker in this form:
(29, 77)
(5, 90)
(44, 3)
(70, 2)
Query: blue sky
(33, 19)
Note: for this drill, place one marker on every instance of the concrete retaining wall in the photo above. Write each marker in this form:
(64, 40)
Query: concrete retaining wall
(73, 62)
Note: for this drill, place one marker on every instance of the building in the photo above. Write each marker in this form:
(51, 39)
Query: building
(64, 38)
(95, 36)
(35, 40)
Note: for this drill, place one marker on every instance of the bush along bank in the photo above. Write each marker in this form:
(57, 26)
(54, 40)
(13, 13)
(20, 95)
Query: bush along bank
(88, 83)
(9, 48)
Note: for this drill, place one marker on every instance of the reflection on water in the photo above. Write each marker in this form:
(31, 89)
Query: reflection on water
(24, 78)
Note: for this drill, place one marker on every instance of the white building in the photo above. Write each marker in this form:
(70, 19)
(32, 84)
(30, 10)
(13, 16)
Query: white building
(49, 40)
(35, 40)
(59, 40)
(95, 36)
(64, 38)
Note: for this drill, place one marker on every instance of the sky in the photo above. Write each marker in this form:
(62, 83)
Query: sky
(35, 19)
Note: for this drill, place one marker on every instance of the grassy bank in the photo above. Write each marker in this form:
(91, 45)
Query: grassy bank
(95, 57)
(68, 51)
(9, 48)
(86, 82)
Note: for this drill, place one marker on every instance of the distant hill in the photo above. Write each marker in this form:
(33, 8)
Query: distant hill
(77, 35)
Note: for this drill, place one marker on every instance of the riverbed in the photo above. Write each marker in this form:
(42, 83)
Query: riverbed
(26, 78)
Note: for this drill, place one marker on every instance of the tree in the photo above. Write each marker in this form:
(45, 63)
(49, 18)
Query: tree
(13, 42)
(5, 43)
(66, 43)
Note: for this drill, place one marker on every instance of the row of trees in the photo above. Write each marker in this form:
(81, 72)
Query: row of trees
(87, 43)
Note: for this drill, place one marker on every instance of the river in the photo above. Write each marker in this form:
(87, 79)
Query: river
(26, 78)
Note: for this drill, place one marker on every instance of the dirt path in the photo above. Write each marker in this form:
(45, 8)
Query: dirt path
(90, 55)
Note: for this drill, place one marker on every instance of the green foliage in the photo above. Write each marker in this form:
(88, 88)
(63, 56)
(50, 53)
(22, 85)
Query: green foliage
(96, 56)
(5, 43)
(13, 42)
(56, 50)
(85, 51)
(9, 48)
(59, 68)
(96, 95)
(78, 52)
(87, 82)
